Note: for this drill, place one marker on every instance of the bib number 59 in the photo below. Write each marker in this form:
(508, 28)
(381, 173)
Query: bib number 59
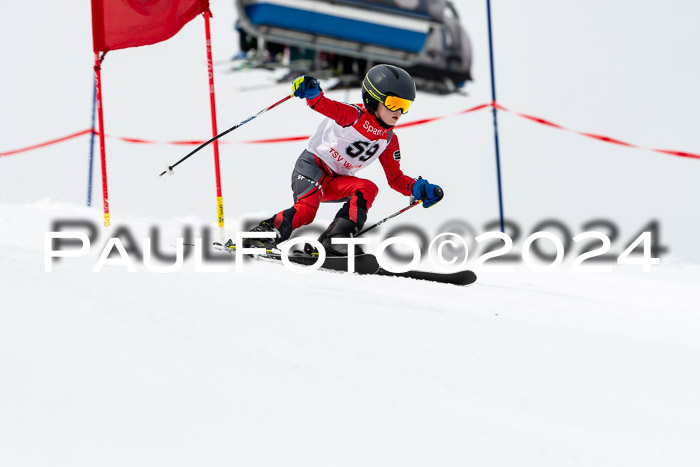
(362, 149)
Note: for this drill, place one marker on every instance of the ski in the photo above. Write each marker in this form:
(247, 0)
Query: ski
(464, 277)
(364, 264)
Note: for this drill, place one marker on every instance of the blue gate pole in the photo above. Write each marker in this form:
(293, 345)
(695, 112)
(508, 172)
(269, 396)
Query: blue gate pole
(495, 118)
(92, 143)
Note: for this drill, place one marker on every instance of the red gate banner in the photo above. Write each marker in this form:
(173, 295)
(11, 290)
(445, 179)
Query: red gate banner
(118, 24)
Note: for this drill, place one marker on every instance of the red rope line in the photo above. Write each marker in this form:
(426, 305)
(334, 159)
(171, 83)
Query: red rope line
(46, 143)
(532, 118)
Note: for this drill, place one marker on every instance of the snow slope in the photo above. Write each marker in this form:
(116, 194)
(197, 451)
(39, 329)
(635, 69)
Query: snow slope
(589, 66)
(266, 367)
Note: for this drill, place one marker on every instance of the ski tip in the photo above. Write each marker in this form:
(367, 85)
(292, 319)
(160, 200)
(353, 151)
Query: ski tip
(465, 277)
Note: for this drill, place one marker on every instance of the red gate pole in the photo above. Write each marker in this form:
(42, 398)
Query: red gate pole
(100, 118)
(215, 131)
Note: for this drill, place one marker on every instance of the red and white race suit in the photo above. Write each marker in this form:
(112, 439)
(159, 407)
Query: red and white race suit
(348, 140)
(352, 139)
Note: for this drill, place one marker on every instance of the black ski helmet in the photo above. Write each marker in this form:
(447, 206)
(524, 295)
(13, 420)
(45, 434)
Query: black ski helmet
(386, 80)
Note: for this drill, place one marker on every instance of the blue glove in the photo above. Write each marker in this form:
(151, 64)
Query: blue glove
(306, 87)
(429, 193)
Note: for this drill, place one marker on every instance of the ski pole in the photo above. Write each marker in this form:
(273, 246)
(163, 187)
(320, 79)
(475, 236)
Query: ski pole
(171, 167)
(412, 205)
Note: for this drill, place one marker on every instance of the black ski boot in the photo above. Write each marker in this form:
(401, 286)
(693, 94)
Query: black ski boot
(339, 228)
(267, 243)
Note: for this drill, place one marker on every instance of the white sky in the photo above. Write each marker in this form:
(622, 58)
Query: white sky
(623, 69)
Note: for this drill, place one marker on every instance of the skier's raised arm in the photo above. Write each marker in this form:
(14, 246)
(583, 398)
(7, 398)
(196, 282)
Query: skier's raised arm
(308, 87)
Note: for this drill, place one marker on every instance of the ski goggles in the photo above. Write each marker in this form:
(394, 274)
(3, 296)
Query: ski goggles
(395, 103)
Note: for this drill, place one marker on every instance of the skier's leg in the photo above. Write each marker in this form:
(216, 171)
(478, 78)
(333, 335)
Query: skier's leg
(308, 178)
(360, 193)
(352, 215)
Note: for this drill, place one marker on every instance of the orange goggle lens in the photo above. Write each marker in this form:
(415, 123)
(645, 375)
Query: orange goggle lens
(394, 103)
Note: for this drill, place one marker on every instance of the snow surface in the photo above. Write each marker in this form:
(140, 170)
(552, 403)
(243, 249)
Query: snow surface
(266, 367)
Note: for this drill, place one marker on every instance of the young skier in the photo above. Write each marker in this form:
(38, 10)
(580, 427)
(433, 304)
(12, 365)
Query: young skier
(351, 138)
